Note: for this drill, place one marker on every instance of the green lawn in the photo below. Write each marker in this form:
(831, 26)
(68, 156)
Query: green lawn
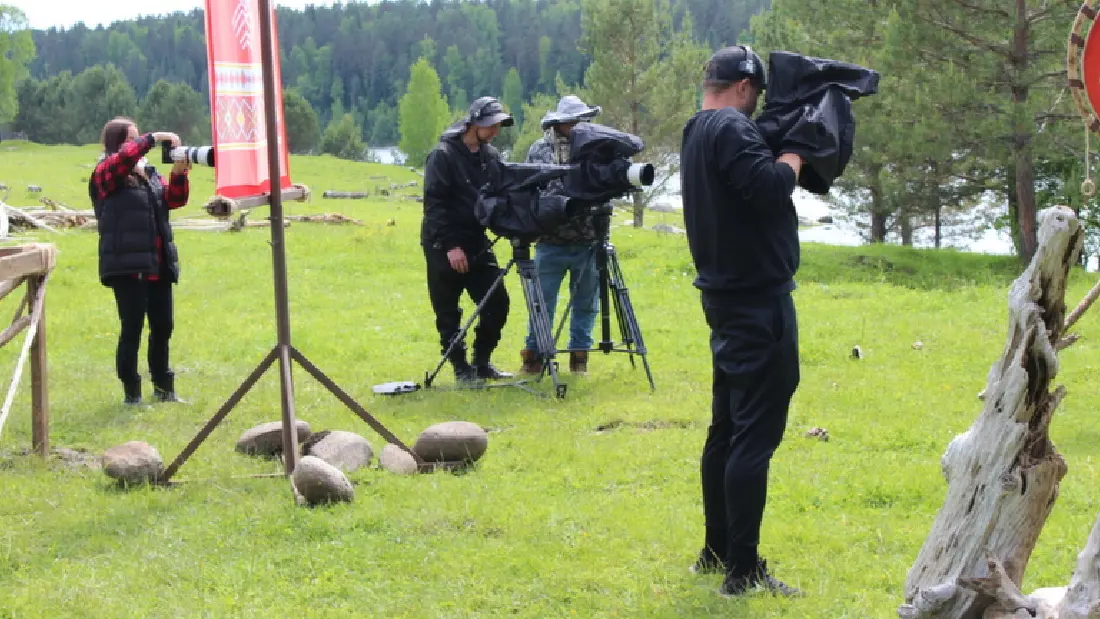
(558, 520)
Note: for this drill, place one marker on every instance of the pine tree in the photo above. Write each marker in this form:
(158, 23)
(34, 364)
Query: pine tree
(16, 51)
(422, 112)
(644, 74)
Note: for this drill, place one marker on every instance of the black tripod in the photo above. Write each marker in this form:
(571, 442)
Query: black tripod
(611, 281)
(536, 309)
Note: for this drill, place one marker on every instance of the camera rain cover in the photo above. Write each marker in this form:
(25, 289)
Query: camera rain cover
(808, 111)
(601, 158)
(515, 203)
(602, 143)
(512, 204)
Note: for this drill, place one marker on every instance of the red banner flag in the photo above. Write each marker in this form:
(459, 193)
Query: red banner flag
(237, 99)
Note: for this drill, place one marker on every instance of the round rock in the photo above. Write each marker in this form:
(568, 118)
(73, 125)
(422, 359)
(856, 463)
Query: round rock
(346, 451)
(318, 482)
(133, 462)
(267, 439)
(452, 441)
(397, 460)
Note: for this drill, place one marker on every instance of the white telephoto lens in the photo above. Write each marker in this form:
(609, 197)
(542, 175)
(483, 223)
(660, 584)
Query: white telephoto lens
(640, 174)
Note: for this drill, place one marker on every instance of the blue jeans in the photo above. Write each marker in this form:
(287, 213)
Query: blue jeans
(553, 262)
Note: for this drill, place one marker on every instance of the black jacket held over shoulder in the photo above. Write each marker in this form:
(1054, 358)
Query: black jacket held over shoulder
(129, 221)
(808, 111)
(742, 229)
(453, 176)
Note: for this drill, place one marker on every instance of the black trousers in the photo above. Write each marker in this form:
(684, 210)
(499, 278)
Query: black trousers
(445, 288)
(137, 299)
(754, 346)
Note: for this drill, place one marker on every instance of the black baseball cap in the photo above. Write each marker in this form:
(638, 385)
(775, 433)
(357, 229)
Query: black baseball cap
(733, 64)
(487, 111)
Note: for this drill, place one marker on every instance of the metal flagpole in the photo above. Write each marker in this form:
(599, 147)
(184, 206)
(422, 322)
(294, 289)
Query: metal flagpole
(283, 351)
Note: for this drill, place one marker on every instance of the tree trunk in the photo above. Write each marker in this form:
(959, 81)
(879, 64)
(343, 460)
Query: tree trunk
(878, 208)
(1002, 474)
(878, 227)
(1025, 194)
(939, 225)
(906, 227)
(1024, 129)
(635, 113)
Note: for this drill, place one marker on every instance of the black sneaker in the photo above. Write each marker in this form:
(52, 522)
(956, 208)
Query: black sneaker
(466, 375)
(707, 563)
(132, 393)
(758, 579)
(164, 390)
(162, 395)
(487, 370)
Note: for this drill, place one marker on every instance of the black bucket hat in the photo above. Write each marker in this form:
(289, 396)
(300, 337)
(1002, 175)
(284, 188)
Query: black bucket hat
(487, 111)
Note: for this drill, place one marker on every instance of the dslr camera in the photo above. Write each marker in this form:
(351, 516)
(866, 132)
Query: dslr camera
(201, 155)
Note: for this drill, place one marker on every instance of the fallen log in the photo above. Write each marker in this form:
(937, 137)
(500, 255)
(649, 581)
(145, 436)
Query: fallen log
(54, 204)
(345, 195)
(14, 214)
(327, 218)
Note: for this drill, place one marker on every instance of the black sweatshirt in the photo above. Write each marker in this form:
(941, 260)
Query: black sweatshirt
(453, 176)
(742, 229)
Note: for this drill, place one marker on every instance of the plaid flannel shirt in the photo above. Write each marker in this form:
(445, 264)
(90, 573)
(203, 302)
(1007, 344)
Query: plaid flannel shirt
(554, 149)
(112, 171)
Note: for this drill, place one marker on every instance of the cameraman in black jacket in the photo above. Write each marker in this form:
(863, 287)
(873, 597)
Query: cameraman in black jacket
(456, 248)
(742, 231)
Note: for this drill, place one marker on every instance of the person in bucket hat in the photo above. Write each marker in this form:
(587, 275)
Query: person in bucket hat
(569, 249)
(571, 110)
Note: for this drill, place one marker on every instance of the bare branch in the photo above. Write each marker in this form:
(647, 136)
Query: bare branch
(1043, 13)
(1045, 117)
(1044, 76)
(981, 9)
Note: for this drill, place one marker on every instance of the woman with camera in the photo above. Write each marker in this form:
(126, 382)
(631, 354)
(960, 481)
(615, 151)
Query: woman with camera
(137, 256)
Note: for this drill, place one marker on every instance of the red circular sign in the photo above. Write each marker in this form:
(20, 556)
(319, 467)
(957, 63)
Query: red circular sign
(1090, 67)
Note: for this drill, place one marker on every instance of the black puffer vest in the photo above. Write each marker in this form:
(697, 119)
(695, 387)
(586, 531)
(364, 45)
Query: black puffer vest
(129, 221)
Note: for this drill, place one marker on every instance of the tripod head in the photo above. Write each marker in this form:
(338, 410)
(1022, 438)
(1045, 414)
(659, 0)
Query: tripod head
(521, 249)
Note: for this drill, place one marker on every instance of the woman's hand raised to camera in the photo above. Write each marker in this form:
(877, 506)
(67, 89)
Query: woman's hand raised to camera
(181, 166)
(167, 136)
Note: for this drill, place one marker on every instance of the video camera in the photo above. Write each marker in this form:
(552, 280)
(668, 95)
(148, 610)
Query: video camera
(515, 203)
(203, 155)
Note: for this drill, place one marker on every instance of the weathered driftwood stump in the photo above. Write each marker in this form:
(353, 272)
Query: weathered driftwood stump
(1003, 473)
(1082, 598)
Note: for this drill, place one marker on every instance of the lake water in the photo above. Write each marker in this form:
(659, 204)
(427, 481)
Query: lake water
(812, 208)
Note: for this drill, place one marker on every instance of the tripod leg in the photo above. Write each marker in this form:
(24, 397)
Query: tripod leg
(628, 321)
(606, 345)
(540, 319)
(461, 335)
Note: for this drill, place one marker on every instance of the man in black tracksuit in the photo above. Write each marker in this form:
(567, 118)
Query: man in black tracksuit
(456, 247)
(742, 232)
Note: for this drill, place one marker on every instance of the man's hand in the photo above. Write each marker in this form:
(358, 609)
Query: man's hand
(794, 161)
(457, 258)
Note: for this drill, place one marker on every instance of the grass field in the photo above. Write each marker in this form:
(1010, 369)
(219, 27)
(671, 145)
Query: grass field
(558, 520)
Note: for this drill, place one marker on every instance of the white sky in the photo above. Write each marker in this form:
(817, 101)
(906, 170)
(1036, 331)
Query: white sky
(65, 13)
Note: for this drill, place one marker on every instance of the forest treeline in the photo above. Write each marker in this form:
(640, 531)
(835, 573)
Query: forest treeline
(973, 122)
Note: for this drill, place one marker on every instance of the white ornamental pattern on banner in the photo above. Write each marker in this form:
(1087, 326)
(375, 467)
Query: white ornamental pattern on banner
(244, 23)
(239, 104)
(240, 120)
